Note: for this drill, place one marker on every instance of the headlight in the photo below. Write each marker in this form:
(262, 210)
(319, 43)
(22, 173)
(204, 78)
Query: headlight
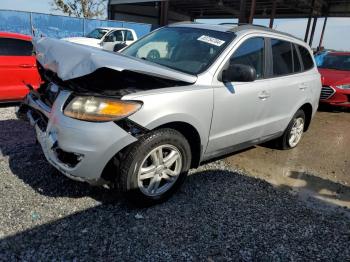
(344, 86)
(99, 109)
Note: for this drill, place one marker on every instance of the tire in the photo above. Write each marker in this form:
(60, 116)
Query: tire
(145, 177)
(285, 142)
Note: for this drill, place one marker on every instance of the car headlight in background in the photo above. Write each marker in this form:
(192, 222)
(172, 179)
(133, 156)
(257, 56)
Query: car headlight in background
(344, 86)
(99, 109)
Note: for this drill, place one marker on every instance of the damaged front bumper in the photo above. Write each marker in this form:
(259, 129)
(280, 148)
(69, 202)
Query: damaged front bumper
(78, 149)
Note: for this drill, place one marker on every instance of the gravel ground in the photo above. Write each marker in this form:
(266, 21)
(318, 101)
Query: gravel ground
(219, 214)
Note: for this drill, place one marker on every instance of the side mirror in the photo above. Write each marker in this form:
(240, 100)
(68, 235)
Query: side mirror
(238, 73)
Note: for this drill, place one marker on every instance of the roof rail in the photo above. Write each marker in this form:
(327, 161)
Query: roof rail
(239, 24)
(259, 27)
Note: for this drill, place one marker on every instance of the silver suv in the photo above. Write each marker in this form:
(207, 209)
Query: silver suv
(182, 95)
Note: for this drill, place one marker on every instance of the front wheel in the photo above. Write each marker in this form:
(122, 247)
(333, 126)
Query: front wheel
(155, 167)
(294, 131)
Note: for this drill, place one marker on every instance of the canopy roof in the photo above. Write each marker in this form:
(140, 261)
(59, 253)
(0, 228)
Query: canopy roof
(231, 8)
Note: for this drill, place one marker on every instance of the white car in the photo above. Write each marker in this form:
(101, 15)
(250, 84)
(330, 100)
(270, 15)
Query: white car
(153, 50)
(108, 38)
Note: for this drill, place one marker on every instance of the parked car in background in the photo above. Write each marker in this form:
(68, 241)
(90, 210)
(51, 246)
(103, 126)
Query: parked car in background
(335, 71)
(108, 38)
(153, 50)
(143, 122)
(17, 67)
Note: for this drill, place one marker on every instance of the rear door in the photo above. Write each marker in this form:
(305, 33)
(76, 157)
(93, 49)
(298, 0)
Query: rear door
(17, 68)
(286, 85)
(311, 84)
(129, 37)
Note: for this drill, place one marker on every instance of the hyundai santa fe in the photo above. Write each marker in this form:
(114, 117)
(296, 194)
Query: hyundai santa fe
(142, 121)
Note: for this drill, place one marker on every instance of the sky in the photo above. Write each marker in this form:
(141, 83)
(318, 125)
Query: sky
(337, 34)
(40, 6)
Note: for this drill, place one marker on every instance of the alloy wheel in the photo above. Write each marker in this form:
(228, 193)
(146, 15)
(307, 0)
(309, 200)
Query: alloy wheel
(296, 132)
(159, 170)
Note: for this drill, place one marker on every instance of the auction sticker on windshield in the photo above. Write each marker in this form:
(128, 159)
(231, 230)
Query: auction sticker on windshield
(210, 40)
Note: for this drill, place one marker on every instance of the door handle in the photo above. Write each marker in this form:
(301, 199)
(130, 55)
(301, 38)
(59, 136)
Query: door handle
(26, 65)
(303, 86)
(264, 95)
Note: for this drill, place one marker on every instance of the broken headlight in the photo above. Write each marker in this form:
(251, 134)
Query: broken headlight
(100, 109)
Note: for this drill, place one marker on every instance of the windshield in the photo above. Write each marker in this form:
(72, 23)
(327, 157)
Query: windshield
(97, 33)
(190, 50)
(333, 61)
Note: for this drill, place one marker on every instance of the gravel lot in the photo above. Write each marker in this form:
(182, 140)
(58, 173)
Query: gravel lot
(219, 214)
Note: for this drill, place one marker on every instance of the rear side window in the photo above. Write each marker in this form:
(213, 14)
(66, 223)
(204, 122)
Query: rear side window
(129, 36)
(296, 60)
(251, 53)
(15, 47)
(282, 57)
(306, 58)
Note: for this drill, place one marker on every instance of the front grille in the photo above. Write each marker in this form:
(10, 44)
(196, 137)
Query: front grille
(326, 92)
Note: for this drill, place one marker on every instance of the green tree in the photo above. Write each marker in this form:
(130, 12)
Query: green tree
(80, 8)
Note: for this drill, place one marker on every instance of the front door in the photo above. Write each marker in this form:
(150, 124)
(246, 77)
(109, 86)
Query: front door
(17, 69)
(112, 39)
(239, 107)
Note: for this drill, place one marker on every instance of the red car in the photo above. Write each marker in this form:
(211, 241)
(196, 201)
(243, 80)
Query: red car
(334, 68)
(17, 67)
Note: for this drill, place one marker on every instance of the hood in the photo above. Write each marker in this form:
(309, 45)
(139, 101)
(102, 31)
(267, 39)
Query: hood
(71, 61)
(82, 40)
(331, 77)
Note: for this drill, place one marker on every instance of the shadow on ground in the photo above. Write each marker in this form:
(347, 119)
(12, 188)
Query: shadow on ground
(332, 109)
(218, 215)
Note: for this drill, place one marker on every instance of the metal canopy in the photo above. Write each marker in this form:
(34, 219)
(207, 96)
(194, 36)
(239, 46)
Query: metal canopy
(162, 12)
(263, 8)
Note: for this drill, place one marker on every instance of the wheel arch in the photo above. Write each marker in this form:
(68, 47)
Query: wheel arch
(187, 130)
(192, 136)
(307, 108)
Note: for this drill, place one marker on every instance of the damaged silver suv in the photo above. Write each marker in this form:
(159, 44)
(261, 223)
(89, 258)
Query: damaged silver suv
(181, 95)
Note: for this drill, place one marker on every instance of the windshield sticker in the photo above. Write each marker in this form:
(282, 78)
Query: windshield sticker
(210, 40)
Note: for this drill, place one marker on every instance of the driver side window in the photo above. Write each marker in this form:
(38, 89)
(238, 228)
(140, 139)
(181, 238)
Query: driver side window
(251, 53)
(116, 36)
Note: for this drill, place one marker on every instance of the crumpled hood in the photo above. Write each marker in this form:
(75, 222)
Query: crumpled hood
(69, 61)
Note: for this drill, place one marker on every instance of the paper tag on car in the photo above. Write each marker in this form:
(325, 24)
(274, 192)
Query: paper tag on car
(210, 40)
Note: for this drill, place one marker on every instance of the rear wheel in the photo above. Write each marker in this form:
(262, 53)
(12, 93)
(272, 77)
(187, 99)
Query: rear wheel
(294, 131)
(155, 167)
